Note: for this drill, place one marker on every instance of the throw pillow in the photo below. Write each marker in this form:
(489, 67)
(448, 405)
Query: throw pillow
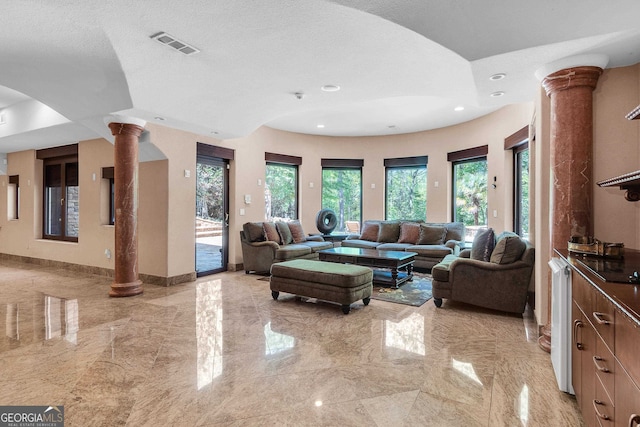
(431, 235)
(297, 232)
(370, 231)
(284, 232)
(509, 248)
(409, 232)
(483, 244)
(270, 232)
(253, 231)
(389, 232)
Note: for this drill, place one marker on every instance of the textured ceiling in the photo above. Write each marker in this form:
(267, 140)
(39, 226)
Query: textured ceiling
(402, 65)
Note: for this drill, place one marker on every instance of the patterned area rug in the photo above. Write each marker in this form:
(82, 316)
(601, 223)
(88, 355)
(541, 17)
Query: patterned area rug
(414, 293)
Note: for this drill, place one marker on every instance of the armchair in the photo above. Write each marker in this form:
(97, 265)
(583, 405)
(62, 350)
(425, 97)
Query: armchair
(500, 282)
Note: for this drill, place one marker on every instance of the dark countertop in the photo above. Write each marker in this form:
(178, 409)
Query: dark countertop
(625, 296)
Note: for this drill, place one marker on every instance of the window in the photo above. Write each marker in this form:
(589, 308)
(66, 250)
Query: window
(281, 187)
(406, 188)
(13, 197)
(519, 144)
(342, 192)
(470, 188)
(61, 208)
(110, 190)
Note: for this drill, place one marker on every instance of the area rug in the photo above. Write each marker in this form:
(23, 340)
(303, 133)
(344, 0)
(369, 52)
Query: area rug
(414, 293)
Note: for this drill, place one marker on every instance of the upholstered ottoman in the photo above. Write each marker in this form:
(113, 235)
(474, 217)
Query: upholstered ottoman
(328, 281)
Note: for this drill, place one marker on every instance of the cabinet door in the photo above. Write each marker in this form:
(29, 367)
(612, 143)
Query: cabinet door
(583, 373)
(627, 410)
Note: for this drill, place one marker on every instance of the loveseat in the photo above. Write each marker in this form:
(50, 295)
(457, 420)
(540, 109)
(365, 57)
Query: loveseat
(495, 273)
(264, 243)
(430, 241)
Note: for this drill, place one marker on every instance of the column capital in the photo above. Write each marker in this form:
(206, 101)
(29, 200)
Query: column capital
(125, 129)
(570, 78)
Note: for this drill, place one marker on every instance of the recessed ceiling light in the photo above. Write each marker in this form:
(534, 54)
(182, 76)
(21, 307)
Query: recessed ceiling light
(498, 76)
(458, 108)
(161, 119)
(330, 88)
(320, 126)
(215, 132)
(391, 126)
(497, 94)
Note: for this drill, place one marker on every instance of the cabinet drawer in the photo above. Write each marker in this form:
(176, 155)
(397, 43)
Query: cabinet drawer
(604, 366)
(627, 345)
(627, 410)
(582, 293)
(603, 406)
(603, 318)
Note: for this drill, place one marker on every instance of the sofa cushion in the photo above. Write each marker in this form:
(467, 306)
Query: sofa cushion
(389, 231)
(431, 235)
(284, 232)
(297, 232)
(409, 233)
(357, 243)
(370, 231)
(509, 248)
(430, 251)
(393, 246)
(253, 231)
(270, 232)
(440, 271)
(483, 244)
(292, 251)
(318, 246)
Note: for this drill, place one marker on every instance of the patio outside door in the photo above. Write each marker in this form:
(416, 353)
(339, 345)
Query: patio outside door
(212, 215)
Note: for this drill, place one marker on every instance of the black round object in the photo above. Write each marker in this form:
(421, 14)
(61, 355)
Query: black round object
(326, 221)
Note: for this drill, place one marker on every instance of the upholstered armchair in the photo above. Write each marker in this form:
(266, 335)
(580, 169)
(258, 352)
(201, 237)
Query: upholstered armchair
(498, 278)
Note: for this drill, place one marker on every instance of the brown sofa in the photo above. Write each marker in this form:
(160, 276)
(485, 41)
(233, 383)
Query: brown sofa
(495, 273)
(265, 243)
(430, 241)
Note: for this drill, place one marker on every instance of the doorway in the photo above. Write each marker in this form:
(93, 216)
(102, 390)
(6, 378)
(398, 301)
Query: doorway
(212, 215)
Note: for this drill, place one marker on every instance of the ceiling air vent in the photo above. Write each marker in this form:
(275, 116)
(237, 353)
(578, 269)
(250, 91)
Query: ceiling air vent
(169, 40)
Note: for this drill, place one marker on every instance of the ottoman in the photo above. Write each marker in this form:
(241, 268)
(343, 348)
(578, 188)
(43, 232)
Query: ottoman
(327, 281)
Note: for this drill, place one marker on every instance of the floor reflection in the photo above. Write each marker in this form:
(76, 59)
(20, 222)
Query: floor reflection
(466, 369)
(275, 342)
(407, 334)
(209, 331)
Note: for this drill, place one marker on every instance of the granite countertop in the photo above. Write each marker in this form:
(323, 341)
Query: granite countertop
(625, 296)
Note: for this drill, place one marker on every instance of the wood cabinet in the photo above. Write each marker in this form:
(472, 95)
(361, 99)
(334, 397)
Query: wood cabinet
(605, 349)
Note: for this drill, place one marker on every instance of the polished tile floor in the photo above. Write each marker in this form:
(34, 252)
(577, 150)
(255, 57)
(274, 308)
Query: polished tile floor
(221, 351)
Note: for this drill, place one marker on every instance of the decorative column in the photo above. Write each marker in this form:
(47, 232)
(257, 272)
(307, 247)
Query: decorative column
(126, 282)
(571, 92)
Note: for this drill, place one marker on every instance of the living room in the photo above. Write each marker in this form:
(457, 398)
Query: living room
(167, 197)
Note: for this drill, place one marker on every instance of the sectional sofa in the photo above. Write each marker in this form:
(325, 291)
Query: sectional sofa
(431, 241)
(264, 243)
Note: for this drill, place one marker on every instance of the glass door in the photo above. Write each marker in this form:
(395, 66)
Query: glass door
(212, 215)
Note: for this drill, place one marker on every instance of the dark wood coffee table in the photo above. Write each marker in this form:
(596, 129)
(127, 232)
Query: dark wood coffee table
(391, 260)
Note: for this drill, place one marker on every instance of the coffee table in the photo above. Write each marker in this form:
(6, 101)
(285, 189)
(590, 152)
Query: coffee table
(391, 260)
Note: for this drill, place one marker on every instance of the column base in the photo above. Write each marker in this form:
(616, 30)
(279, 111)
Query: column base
(126, 289)
(544, 341)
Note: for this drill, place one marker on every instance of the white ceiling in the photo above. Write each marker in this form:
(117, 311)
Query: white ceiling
(402, 65)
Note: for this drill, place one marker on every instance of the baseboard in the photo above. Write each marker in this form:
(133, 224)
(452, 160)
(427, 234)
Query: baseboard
(235, 267)
(99, 271)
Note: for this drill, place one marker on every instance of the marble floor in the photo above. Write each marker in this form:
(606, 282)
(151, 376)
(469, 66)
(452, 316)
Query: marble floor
(221, 352)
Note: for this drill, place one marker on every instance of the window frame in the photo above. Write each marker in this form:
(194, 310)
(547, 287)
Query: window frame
(286, 160)
(413, 162)
(108, 173)
(518, 142)
(342, 164)
(63, 156)
(469, 155)
(15, 180)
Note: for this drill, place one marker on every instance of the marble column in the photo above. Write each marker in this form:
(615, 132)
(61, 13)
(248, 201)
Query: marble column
(571, 93)
(126, 282)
